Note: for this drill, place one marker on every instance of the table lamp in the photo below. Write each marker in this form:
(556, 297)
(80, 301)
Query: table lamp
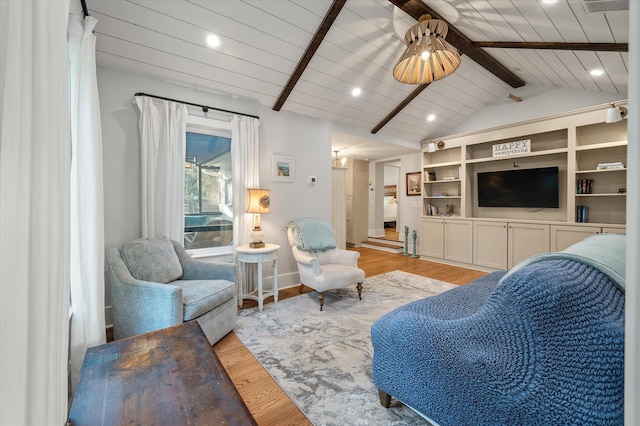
(258, 204)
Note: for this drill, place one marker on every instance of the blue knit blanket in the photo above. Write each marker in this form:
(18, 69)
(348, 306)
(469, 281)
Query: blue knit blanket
(544, 346)
(605, 252)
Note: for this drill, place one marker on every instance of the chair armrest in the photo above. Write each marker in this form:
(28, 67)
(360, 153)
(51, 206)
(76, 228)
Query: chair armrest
(202, 270)
(140, 306)
(347, 257)
(306, 261)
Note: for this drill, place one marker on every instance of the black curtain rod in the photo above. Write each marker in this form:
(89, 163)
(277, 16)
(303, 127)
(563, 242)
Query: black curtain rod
(84, 8)
(205, 108)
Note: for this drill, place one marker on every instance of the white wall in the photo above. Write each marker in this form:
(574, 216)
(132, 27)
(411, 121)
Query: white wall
(306, 139)
(391, 174)
(409, 208)
(537, 101)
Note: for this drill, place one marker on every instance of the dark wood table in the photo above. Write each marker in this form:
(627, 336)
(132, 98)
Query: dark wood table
(166, 377)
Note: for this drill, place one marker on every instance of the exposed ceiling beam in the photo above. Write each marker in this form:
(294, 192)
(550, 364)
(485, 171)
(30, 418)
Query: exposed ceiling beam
(596, 47)
(399, 108)
(416, 8)
(322, 31)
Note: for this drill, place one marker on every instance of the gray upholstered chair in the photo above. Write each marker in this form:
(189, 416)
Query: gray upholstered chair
(321, 265)
(156, 284)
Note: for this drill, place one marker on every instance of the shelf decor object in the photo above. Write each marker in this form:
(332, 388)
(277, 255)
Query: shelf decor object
(406, 241)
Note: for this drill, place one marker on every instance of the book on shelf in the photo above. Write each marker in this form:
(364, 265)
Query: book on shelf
(584, 186)
(610, 166)
(582, 214)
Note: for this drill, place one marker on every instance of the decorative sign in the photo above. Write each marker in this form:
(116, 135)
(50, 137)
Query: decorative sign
(508, 149)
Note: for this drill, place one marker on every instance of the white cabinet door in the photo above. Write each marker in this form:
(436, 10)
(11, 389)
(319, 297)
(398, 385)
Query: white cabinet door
(563, 236)
(458, 240)
(432, 238)
(526, 240)
(490, 244)
(621, 231)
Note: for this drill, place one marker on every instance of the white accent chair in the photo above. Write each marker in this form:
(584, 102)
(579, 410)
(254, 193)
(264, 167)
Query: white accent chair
(321, 265)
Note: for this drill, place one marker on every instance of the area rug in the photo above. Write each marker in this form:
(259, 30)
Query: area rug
(322, 360)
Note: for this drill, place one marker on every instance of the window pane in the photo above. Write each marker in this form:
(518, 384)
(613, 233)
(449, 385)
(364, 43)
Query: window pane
(208, 200)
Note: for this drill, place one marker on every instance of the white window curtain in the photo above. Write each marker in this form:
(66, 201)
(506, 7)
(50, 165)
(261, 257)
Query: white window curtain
(163, 127)
(87, 211)
(35, 143)
(246, 168)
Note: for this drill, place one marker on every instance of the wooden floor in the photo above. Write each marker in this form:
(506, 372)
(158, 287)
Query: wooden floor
(266, 401)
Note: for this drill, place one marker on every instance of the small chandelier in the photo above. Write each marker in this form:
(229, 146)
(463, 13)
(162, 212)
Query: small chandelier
(429, 57)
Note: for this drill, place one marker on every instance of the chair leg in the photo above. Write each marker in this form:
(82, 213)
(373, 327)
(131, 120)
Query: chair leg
(385, 398)
(359, 287)
(301, 288)
(321, 299)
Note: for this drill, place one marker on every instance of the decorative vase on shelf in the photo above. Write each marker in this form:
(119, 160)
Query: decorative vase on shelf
(414, 234)
(406, 241)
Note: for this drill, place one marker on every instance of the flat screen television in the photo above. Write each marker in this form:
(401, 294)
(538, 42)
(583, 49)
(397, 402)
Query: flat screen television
(528, 188)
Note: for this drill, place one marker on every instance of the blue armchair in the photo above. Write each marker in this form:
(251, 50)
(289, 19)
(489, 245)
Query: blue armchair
(156, 284)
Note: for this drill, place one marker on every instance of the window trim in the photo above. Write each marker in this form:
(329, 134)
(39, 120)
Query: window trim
(213, 127)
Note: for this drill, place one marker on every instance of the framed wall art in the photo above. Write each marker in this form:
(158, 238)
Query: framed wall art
(283, 168)
(414, 183)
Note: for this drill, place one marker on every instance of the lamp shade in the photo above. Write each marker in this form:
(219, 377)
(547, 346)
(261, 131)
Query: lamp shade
(259, 201)
(616, 113)
(429, 56)
(613, 115)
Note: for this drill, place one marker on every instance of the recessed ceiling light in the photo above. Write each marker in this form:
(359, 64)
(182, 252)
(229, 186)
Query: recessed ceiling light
(213, 40)
(356, 91)
(549, 1)
(431, 117)
(596, 72)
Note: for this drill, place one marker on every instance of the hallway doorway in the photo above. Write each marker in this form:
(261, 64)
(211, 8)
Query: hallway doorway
(390, 204)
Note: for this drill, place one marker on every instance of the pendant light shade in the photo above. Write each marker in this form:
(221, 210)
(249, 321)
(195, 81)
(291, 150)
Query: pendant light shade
(429, 57)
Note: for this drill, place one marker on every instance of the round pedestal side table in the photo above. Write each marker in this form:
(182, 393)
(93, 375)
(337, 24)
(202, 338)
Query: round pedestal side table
(249, 255)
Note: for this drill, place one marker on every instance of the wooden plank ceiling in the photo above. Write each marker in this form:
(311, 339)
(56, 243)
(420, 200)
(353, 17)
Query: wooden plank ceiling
(305, 56)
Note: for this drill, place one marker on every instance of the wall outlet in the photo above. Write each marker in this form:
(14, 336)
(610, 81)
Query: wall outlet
(311, 180)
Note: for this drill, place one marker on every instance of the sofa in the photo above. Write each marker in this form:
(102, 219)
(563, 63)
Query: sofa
(156, 284)
(541, 344)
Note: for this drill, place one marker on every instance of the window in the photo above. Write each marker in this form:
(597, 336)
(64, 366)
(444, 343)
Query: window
(208, 187)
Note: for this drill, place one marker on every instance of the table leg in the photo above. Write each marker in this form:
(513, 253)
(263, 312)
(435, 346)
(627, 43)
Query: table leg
(242, 274)
(260, 298)
(275, 281)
